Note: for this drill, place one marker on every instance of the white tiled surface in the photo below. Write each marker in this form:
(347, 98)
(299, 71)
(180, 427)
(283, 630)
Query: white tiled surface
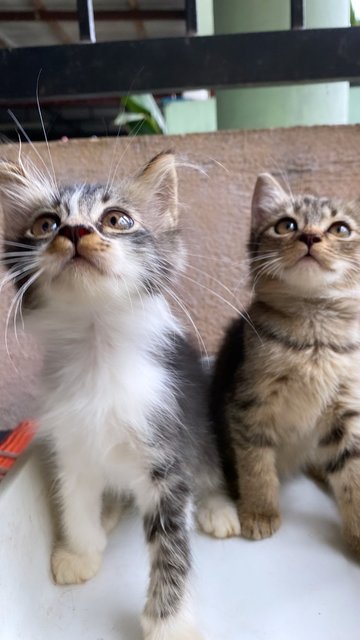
(299, 585)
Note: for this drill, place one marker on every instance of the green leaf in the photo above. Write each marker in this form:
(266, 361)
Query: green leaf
(124, 118)
(145, 104)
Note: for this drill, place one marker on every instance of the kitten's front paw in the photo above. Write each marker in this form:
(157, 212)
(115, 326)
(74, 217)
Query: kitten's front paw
(217, 516)
(172, 629)
(70, 568)
(256, 526)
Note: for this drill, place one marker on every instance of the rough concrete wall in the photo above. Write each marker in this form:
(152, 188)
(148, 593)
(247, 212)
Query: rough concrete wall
(215, 216)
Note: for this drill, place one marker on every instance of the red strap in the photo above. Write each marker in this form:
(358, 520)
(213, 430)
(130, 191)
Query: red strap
(14, 444)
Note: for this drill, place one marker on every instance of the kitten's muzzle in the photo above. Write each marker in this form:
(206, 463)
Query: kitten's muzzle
(309, 239)
(74, 233)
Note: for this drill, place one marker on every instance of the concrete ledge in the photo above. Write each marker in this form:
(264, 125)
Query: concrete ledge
(299, 584)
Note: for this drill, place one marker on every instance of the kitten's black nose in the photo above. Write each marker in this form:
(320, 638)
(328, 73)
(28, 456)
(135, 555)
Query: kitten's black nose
(74, 233)
(310, 239)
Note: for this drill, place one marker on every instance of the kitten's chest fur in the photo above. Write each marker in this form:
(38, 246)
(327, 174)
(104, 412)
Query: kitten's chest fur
(102, 380)
(306, 360)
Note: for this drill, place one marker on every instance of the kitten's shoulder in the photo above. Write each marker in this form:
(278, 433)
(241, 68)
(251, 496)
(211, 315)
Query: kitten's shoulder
(229, 358)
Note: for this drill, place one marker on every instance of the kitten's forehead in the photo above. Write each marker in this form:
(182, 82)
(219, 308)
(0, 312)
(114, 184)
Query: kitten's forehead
(87, 201)
(82, 198)
(315, 210)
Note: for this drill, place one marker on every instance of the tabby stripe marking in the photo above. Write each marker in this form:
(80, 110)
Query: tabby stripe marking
(339, 462)
(265, 332)
(338, 430)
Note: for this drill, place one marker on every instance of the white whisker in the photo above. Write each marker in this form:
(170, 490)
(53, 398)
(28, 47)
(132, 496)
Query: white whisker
(182, 306)
(19, 125)
(13, 276)
(44, 131)
(16, 253)
(12, 243)
(133, 135)
(217, 295)
(116, 144)
(18, 296)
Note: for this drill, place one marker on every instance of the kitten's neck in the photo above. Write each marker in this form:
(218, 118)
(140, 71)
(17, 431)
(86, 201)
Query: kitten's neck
(277, 296)
(111, 320)
(314, 321)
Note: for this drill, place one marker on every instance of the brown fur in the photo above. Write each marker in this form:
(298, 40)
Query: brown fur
(294, 399)
(61, 246)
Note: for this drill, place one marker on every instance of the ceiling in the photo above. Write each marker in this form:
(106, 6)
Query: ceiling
(25, 23)
(28, 23)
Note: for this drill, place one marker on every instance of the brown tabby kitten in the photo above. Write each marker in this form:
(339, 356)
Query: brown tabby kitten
(286, 391)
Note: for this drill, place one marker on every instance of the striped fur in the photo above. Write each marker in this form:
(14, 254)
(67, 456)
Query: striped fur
(290, 398)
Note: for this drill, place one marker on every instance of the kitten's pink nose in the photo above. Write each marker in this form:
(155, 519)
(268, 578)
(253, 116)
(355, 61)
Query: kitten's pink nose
(74, 233)
(310, 239)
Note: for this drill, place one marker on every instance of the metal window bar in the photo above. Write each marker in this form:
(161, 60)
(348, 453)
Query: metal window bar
(191, 17)
(86, 21)
(297, 14)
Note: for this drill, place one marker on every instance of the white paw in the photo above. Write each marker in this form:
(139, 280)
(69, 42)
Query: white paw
(217, 516)
(176, 628)
(71, 568)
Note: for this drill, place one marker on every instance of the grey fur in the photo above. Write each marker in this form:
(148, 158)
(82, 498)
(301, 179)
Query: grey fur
(115, 299)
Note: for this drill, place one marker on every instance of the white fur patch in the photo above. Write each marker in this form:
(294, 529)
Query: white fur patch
(217, 516)
(106, 383)
(70, 568)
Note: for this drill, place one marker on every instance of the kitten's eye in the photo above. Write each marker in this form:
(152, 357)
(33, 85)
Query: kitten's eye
(45, 226)
(340, 229)
(117, 221)
(286, 225)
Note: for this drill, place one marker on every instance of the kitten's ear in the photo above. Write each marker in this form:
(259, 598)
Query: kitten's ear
(267, 198)
(19, 188)
(156, 188)
(13, 183)
(13, 178)
(11, 173)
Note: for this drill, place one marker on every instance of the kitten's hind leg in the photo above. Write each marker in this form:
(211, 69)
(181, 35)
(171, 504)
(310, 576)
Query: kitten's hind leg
(77, 556)
(217, 516)
(339, 451)
(346, 486)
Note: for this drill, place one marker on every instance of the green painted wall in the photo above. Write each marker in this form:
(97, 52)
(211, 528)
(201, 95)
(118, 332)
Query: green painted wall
(190, 116)
(354, 105)
(194, 116)
(253, 108)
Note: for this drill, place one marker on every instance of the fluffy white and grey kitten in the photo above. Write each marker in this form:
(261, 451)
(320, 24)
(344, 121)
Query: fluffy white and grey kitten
(123, 395)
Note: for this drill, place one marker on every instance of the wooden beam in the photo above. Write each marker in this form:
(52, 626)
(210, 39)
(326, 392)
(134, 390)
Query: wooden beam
(55, 28)
(175, 64)
(48, 15)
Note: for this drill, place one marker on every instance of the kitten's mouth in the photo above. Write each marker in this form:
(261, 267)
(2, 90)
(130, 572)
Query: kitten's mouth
(80, 262)
(309, 258)
(77, 259)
